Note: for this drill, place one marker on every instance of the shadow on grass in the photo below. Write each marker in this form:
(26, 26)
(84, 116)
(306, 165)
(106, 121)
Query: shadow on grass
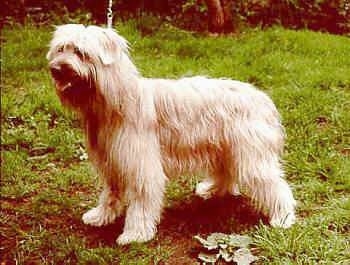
(180, 222)
(197, 216)
(187, 218)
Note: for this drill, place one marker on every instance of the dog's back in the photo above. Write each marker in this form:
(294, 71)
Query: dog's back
(200, 121)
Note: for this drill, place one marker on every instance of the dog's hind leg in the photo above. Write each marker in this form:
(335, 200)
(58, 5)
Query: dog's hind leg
(263, 183)
(109, 207)
(260, 175)
(271, 193)
(210, 187)
(145, 186)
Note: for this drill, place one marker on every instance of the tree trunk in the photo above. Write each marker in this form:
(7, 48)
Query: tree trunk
(216, 16)
(220, 16)
(228, 20)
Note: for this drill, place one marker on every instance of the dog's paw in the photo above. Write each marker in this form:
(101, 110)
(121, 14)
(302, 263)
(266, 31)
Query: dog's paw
(99, 216)
(284, 222)
(205, 190)
(128, 237)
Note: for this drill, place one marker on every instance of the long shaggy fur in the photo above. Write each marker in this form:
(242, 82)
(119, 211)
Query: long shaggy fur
(142, 131)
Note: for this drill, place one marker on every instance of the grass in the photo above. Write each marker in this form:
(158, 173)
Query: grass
(47, 184)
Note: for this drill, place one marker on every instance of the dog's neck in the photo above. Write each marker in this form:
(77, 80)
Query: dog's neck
(95, 124)
(116, 93)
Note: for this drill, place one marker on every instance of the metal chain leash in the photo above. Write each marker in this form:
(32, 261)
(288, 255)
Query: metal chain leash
(109, 14)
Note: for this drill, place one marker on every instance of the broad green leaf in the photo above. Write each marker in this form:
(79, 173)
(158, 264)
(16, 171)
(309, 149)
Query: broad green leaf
(227, 256)
(201, 240)
(239, 241)
(209, 244)
(217, 237)
(243, 256)
(211, 258)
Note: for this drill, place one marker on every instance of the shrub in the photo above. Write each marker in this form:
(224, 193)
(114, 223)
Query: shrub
(322, 15)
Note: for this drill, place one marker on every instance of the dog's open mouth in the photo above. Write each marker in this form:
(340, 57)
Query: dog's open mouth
(66, 83)
(72, 89)
(65, 79)
(64, 86)
(74, 92)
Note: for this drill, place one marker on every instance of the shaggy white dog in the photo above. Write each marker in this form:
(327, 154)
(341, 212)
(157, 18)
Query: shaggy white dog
(142, 131)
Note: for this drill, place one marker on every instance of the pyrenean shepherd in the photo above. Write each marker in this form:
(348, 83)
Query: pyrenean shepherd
(142, 131)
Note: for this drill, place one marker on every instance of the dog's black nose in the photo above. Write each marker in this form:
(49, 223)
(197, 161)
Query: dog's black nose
(60, 70)
(56, 70)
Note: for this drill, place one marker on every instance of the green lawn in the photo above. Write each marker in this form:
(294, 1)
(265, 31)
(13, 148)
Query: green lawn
(47, 183)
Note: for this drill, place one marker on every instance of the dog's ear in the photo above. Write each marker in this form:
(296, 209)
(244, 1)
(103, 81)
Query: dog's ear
(113, 46)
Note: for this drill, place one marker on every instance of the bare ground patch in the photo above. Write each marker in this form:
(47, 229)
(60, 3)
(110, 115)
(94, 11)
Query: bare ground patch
(179, 224)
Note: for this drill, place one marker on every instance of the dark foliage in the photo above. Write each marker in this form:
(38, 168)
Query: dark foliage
(322, 15)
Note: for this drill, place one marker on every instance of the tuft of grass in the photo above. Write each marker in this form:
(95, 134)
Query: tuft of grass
(320, 239)
(47, 184)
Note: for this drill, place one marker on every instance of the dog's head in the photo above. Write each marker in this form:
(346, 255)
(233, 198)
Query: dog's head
(79, 57)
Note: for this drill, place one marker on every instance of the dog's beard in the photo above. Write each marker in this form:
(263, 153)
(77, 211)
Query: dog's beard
(74, 91)
(73, 80)
(64, 86)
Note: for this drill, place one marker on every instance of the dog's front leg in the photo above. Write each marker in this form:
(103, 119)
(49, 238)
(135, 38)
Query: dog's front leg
(108, 208)
(145, 185)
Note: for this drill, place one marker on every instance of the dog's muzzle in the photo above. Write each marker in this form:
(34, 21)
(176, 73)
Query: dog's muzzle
(56, 71)
(64, 75)
(60, 71)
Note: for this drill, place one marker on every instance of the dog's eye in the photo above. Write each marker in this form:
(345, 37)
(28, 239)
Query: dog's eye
(78, 52)
(60, 49)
